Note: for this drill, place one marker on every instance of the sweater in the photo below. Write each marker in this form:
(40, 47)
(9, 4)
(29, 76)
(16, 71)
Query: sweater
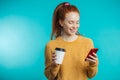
(74, 66)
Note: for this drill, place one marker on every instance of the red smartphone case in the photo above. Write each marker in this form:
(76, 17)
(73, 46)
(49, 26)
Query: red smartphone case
(91, 52)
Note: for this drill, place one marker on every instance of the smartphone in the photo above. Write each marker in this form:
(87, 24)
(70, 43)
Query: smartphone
(91, 52)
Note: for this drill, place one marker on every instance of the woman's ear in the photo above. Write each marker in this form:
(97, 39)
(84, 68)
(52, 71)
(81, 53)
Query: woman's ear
(61, 23)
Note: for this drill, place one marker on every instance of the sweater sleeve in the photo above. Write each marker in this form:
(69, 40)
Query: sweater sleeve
(50, 70)
(92, 69)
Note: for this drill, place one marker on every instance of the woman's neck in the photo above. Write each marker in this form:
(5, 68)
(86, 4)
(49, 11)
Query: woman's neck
(69, 38)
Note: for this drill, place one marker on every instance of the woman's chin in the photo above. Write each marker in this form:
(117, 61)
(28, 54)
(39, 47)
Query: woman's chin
(72, 34)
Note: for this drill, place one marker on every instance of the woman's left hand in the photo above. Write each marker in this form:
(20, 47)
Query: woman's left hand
(93, 59)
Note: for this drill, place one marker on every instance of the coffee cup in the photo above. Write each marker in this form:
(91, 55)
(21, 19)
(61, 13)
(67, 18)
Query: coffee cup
(60, 52)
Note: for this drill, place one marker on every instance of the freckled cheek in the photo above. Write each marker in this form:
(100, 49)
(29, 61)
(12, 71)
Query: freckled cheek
(68, 26)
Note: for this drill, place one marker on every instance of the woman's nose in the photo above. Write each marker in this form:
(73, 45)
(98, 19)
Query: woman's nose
(75, 25)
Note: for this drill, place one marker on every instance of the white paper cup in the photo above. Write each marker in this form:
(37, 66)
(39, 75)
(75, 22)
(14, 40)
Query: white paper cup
(60, 52)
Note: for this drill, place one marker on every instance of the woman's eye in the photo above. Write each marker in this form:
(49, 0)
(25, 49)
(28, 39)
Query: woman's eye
(70, 22)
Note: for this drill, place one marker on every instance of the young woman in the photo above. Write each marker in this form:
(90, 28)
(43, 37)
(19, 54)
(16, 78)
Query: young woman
(65, 26)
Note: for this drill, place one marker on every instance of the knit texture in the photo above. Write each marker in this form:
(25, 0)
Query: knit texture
(74, 66)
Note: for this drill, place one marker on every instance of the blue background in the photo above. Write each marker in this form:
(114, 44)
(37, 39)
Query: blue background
(25, 28)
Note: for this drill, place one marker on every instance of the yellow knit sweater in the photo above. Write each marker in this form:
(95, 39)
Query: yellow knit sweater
(74, 66)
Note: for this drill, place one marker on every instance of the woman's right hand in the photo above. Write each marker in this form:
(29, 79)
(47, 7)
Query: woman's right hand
(54, 59)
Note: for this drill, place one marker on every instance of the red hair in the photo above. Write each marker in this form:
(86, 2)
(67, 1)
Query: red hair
(59, 14)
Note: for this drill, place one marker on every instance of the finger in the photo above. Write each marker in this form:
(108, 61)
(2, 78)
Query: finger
(93, 57)
(95, 54)
(53, 59)
(53, 55)
(91, 60)
(54, 63)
